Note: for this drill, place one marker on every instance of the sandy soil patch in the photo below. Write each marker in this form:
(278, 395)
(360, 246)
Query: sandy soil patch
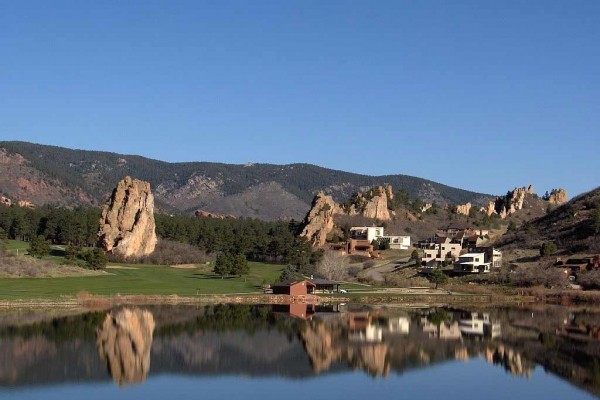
(184, 266)
(119, 267)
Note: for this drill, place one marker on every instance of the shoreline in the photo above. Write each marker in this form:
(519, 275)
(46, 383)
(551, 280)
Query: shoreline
(93, 301)
(407, 297)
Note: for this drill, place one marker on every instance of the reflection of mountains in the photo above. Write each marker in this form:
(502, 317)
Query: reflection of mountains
(254, 341)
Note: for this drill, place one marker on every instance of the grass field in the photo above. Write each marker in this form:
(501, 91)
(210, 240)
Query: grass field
(141, 279)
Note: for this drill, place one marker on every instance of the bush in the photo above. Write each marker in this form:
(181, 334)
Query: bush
(39, 247)
(589, 280)
(369, 264)
(547, 249)
(95, 258)
(549, 277)
(168, 252)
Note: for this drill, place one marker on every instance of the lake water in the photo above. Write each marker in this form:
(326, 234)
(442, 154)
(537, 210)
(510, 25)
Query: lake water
(299, 351)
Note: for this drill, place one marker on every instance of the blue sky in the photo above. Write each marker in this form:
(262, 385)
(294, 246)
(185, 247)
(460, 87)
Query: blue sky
(475, 94)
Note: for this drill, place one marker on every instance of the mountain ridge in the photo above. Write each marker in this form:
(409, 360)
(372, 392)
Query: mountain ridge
(42, 173)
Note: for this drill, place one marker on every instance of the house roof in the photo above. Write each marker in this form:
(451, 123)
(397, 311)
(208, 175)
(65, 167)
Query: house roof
(472, 255)
(320, 281)
(292, 283)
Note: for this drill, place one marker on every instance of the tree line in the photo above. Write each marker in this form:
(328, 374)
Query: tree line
(271, 241)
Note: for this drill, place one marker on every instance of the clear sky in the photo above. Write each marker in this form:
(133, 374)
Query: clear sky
(482, 95)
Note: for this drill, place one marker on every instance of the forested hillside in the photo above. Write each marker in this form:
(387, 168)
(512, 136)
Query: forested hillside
(49, 174)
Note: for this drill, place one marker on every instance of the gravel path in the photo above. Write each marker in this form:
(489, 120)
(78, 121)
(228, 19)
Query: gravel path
(377, 273)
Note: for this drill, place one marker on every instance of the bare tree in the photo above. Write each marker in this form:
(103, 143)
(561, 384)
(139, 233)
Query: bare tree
(333, 266)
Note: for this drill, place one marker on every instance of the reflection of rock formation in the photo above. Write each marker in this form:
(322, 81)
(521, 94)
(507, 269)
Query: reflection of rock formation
(124, 342)
(326, 344)
(511, 360)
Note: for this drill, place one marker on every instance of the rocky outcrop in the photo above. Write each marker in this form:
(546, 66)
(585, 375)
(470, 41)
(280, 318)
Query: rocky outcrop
(426, 207)
(389, 191)
(26, 204)
(512, 202)
(206, 214)
(127, 225)
(463, 209)
(124, 341)
(371, 204)
(377, 206)
(490, 209)
(5, 201)
(319, 220)
(558, 197)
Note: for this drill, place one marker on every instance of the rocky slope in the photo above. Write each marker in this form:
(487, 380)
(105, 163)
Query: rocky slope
(48, 174)
(573, 227)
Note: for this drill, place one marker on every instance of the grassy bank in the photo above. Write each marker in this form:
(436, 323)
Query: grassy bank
(142, 280)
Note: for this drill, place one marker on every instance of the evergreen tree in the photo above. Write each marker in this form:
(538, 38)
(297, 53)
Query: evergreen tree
(39, 247)
(240, 265)
(223, 265)
(95, 258)
(438, 277)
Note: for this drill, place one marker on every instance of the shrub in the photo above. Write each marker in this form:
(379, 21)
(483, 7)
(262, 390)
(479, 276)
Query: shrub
(549, 277)
(369, 264)
(547, 249)
(589, 280)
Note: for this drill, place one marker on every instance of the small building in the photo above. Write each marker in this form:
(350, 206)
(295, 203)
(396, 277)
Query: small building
(471, 263)
(397, 242)
(368, 233)
(437, 253)
(325, 285)
(359, 246)
(295, 288)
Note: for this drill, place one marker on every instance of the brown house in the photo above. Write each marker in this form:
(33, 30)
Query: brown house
(295, 288)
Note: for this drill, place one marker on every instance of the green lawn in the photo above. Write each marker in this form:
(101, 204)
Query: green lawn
(149, 280)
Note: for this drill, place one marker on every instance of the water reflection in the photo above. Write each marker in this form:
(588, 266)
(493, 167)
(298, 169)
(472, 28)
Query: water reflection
(124, 341)
(295, 341)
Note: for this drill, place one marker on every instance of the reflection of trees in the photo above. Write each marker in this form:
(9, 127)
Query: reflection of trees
(124, 341)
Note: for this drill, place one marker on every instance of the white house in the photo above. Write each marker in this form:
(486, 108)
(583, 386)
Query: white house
(366, 232)
(472, 263)
(398, 242)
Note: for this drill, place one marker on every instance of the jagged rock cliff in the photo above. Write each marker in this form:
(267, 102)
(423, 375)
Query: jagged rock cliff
(463, 209)
(558, 197)
(127, 225)
(319, 220)
(377, 206)
(512, 202)
(124, 341)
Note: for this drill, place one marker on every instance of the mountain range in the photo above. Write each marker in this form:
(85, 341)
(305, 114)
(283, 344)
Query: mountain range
(45, 174)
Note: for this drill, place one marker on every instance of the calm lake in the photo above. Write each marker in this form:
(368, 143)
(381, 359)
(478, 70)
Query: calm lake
(298, 352)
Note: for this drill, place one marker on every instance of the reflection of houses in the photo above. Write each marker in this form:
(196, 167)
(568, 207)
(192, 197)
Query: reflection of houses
(471, 263)
(294, 288)
(371, 326)
(475, 324)
(444, 330)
